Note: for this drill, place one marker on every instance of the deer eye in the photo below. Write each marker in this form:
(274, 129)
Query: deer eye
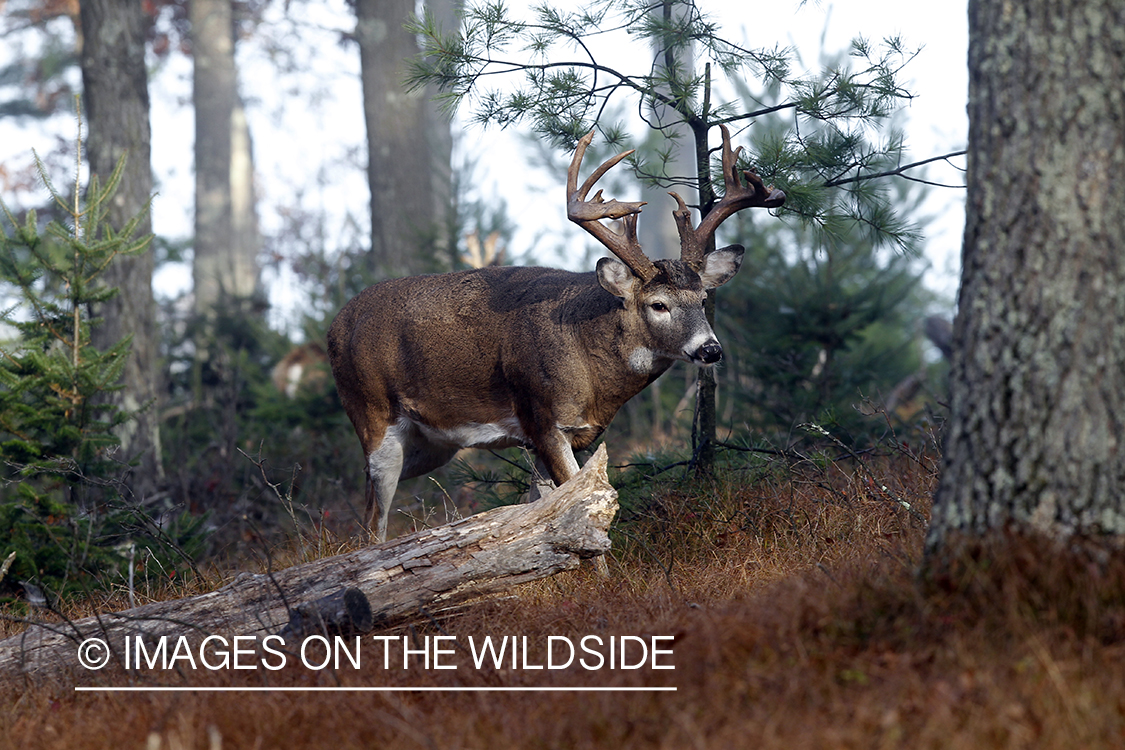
(659, 307)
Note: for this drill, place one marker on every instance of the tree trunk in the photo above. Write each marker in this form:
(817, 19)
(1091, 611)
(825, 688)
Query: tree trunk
(246, 237)
(224, 268)
(486, 553)
(408, 148)
(439, 136)
(657, 233)
(704, 423)
(1036, 438)
(115, 85)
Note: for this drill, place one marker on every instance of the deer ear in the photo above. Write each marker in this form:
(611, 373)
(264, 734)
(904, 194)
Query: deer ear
(616, 278)
(720, 266)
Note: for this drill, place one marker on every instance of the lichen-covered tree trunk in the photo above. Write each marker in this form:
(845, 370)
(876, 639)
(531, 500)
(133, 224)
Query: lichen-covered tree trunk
(1036, 439)
(115, 85)
(408, 145)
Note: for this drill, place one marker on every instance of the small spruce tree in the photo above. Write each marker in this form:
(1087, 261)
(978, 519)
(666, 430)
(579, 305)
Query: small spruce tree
(61, 513)
(51, 419)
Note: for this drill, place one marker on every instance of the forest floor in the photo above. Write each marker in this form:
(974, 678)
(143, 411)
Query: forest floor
(788, 602)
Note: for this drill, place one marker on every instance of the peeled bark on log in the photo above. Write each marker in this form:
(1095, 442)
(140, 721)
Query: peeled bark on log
(480, 555)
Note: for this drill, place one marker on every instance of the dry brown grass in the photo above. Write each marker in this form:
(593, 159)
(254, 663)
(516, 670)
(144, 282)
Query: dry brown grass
(799, 621)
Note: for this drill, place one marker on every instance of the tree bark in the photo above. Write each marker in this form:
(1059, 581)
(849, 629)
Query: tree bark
(246, 236)
(408, 146)
(213, 97)
(115, 85)
(704, 422)
(480, 555)
(224, 267)
(439, 137)
(658, 233)
(1036, 437)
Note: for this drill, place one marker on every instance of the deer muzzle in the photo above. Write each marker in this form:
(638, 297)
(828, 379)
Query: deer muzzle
(710, 353)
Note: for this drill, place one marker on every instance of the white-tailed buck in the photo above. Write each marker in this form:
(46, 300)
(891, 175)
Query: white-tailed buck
(505, 356)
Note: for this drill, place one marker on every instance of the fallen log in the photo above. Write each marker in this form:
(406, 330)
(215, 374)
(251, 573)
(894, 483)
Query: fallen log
(347, 612)
(476, 556)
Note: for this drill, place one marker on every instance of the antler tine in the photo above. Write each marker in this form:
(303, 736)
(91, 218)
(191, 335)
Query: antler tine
(692, 245)
(736, 196)
(588, 213)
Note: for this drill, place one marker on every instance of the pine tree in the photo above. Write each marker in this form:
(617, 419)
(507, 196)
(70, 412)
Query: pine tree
(826, 157)
(51, 419)
(817, 328)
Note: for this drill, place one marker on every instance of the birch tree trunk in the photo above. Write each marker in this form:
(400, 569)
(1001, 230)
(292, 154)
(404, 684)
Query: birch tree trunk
(115, 85)
(1036, 439)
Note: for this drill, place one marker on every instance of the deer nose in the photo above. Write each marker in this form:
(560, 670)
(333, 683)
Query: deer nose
(710, 353)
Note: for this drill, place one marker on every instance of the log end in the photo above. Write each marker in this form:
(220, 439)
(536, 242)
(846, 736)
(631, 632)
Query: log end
(584, 506)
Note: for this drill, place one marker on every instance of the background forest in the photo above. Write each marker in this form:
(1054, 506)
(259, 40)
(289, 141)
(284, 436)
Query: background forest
(228, 427)
(828, 576)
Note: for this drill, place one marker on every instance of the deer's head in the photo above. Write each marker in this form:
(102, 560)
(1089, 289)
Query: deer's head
(666, 298)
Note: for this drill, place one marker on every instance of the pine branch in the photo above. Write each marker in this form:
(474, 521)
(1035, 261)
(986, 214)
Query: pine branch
(898, 172)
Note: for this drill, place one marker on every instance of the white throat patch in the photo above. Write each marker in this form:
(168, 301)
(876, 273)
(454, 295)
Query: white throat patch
(641, 360)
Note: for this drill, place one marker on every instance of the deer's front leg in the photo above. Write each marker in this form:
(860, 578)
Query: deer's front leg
(554, 463)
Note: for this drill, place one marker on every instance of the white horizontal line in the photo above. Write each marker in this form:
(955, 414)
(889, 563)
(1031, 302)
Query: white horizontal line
(367, 689)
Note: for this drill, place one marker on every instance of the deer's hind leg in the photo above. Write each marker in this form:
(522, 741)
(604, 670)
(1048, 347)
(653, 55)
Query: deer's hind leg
(384, 467)
(405, 452)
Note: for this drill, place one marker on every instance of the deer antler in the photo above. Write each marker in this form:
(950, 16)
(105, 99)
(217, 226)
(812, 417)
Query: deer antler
(589, 213)
(736, 196)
